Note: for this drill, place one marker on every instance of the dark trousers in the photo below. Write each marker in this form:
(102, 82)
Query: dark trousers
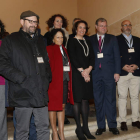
(105, 101)
(32, 129)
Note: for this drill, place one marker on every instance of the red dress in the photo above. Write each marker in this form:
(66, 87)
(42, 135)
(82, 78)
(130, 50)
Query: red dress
(55, 90)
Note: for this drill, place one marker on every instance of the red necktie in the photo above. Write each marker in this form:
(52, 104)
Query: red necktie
(100, 49)
(100, 43)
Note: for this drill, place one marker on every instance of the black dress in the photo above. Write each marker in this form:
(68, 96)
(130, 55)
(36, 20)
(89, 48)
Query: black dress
(81, 89)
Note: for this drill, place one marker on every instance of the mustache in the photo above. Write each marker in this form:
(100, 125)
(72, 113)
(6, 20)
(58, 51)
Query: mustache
(32, 27)
(128, 29)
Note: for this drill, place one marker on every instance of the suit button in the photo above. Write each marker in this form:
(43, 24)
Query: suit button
(34, 55)
(40, 92)
(37, 73)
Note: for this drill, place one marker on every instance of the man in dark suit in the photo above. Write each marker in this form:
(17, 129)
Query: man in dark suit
(130, 74)
(105, 74)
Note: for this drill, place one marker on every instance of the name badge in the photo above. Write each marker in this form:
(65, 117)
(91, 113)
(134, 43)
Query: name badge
(131, 50)
(40, 60)
(100, 55)
(66, 68)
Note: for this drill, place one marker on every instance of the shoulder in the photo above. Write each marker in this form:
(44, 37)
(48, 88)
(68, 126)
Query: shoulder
(47, 34)
(92, 37)
(135, 37)
(71, 39)
(71, 35)
(12, 37)
(110, 36)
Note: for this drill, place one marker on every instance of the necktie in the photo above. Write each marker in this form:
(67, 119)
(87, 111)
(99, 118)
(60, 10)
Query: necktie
(100, 49)
(100, 43)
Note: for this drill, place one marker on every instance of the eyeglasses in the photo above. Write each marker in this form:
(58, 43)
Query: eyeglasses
(125, 25)
(31, 21)
(102, 26)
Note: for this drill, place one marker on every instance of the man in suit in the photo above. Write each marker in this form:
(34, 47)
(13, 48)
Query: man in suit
(130, 74)
(105, 74)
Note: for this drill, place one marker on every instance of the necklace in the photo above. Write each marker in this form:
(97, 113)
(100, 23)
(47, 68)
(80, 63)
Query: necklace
(86, 54)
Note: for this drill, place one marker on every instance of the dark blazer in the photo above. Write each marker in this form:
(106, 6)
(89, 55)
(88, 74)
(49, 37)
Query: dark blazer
(129, 58)
(110, 63)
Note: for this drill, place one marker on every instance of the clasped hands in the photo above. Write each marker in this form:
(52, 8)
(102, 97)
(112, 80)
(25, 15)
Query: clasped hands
(85, 73)
(130, 68)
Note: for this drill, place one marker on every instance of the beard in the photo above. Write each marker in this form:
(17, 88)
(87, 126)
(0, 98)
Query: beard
(127, 31)
(31, 30)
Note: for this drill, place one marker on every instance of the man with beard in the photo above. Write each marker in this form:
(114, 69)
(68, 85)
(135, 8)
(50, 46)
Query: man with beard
(24, 62)
(130, 74)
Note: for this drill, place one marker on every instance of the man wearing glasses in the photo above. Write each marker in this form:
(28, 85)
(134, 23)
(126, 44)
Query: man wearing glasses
(24, 62)
(130, 74)
(105, 74)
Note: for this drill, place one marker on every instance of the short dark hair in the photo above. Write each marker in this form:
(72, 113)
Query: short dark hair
(54, 32)
(100, 19)
(51, 21)
(76, 25)
(73, 22)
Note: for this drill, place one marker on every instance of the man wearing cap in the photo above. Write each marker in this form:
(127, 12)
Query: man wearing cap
(24, 62)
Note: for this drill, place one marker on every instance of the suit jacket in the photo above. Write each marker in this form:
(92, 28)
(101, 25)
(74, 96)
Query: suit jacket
(129, 58)
(110, 63)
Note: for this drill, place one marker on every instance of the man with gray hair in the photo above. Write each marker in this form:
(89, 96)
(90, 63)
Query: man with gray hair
(130, 74)
(24, 62)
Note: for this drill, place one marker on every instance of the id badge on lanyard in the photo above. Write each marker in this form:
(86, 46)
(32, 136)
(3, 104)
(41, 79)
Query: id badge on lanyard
(40, 59)
(66, 68)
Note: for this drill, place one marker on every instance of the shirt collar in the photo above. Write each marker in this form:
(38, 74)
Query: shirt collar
(102, 36)
(127, 37)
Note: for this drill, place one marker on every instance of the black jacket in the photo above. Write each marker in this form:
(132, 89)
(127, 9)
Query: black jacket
(129, 58)
(28, 79)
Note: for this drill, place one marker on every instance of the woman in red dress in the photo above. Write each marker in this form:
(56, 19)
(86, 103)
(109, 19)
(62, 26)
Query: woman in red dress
(60, 88)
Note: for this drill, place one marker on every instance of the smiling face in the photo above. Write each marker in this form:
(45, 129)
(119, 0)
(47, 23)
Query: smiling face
(126, 27)
(81, 29)
(58, 22)
(58, 38)
(101, 27)
(29, 24)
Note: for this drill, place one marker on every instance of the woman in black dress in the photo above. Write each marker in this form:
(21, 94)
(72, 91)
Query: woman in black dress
(82, 60)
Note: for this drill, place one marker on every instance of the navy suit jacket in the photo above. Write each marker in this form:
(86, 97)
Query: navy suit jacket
(129, 58)
(110, 63)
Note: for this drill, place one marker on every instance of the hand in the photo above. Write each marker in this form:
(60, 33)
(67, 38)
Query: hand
(126, 68)
(133, 67)
(87, 79)
(86, 72)
(116, 77)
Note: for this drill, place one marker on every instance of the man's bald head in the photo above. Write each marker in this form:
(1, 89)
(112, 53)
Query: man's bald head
(126, 27)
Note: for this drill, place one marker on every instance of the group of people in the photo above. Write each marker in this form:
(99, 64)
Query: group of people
(45, 73)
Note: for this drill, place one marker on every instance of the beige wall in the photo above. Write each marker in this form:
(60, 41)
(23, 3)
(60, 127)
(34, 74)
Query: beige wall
(11, 9)
(113, 10)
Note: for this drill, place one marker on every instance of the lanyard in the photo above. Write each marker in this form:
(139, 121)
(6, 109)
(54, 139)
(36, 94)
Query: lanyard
(62, 52)
(130, 44)
(102, 43)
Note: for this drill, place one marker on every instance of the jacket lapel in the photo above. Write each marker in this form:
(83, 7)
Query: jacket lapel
(105, 43)
(96, 43)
